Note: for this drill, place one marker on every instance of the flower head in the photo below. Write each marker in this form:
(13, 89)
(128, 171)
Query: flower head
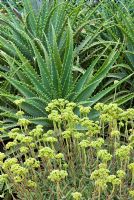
(9, 162)
(121, 174)
(131, 193)
(76, 195)
(32, 163)
(113, 179)
(104, 155)
(24, 149)
(57, 175)
(3, 178)
(131, 167)
(2, 156)
(84, 143)
(47, 153)
(20, 113)
(11, 144)
(19, 101)
(31, 184)
(23, 122)
(123, 152)
(59, 156)
(97, 144)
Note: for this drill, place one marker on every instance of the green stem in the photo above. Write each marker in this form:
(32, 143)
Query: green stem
(111, 196)
(120, 189)
(115, 94)
(99, 193)
(58, 190)
(132, 179)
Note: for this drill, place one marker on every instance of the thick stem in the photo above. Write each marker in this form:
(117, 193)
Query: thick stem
(58, 190)
(99, 193)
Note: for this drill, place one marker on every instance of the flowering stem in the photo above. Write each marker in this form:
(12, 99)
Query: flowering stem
(132, 179)
(99, 193)
(58, 190)
(111, 196)
(120, 189)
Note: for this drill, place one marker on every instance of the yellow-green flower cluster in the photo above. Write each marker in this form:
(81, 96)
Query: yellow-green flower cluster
(23, 122)
(11, 144)
(108, 112)
(8, 163)
(100, 176)
(56, 103)
(50, 139)
(57, 175)
(55, 116)
(131, 167)
(24, 149)
(37, 132)
(32, 162)
(47, 153)
(14, 133)
(20, 113)
(59, 156)
(76, 195)
(104, 155)
(93, 127)
(3, 178)
(115, 133)
(121, 174)
(18, 102)
(97, 144)
(123, 152)
(113, 180)
(84, 110)
(27, 139)
(75, 147)
(131, 193)
(84, 144)
(67, 133)
(2, 156)
(31, 184)
(128, 114)
(78, 135)
(17, 169)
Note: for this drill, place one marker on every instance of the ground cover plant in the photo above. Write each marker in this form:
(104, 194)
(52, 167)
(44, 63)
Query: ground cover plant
(64, 163)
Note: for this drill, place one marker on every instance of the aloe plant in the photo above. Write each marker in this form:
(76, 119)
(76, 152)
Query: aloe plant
(86, 28)
(46, 60)
(52, 78)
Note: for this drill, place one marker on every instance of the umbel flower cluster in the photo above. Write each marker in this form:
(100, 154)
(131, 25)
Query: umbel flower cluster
(78, 159)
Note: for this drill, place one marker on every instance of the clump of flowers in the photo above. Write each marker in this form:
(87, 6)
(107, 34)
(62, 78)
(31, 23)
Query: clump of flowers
(76, 195)
(77, 154)
(104, 155)
(57, 175)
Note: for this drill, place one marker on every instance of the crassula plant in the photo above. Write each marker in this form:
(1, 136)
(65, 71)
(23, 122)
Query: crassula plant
(78, 159)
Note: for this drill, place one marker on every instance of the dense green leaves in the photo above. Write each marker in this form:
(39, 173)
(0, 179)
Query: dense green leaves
(53, 77)
(64, 51)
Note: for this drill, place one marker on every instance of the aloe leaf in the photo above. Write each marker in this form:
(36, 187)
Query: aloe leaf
(123, 99)
(98, 77)
(56, 55)
(86, 76)
(102, 93)
(21, 87)
(54, 76)
(67, 63)
(31, 16)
